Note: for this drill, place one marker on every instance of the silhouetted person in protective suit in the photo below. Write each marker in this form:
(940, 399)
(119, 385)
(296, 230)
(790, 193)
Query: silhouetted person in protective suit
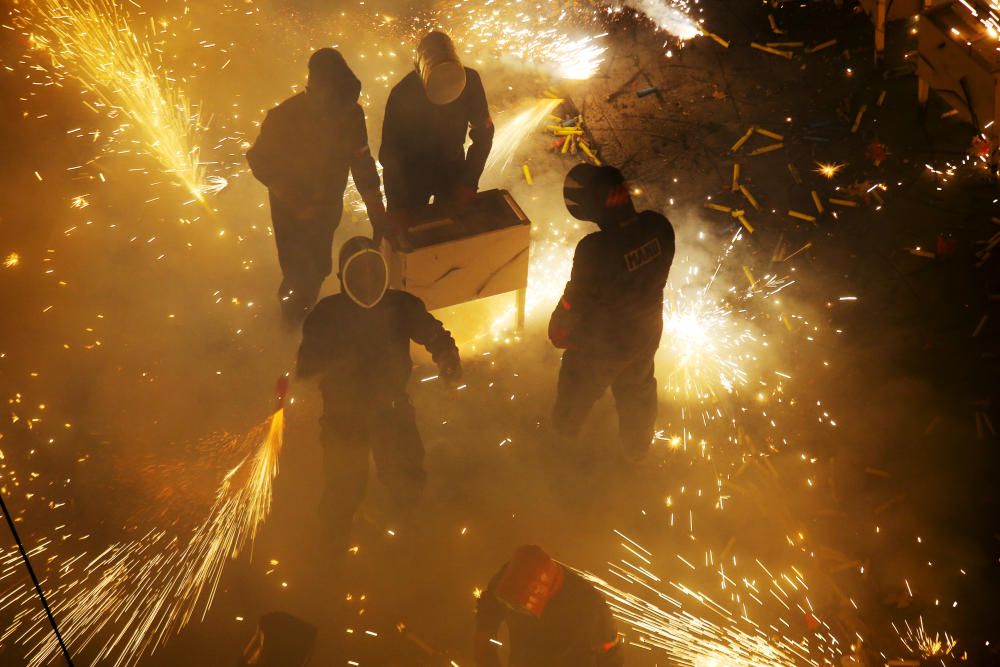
(307, 146)
(554, 617)
(610, 317)
(357, 343)
(427, 117)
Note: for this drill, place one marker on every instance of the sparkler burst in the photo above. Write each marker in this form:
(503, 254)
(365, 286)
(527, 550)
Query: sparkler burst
(93, 42)
(512, 127)
(697, 629)
(131, 598)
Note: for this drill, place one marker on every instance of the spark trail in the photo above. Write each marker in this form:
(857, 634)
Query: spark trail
(93, 42)
(131, 598)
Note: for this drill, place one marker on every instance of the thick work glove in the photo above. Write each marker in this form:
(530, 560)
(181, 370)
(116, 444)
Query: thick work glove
(450, 366)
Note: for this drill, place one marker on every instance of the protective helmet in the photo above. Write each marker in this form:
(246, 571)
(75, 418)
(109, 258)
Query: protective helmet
(364, 276)
(329, 70)
(439, 68)
(530, 580)
(597, 194)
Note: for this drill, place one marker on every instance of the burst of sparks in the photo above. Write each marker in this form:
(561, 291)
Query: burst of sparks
(918, 642)
(11, 260)
(132, 597)
(94, 43)
(697, 629)
(513, 127)
(828, 170)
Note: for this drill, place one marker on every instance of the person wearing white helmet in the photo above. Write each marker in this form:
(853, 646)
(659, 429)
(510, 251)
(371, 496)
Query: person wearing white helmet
(427, 118)
(357, 343)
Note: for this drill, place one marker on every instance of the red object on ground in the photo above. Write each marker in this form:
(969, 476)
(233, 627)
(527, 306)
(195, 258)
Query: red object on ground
(944, 246)
(281, 390)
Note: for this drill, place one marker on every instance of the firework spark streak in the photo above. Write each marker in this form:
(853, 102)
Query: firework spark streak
(657, 616)
(513, 127)
(93, 42)
(131, 598)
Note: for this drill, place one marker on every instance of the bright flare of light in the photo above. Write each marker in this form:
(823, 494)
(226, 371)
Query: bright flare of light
(130, 599)
(669, 15)
(11, 260)
(92, 41)
(828, 170)
(513, 127)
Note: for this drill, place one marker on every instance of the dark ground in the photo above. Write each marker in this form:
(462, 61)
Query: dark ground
(901, 516)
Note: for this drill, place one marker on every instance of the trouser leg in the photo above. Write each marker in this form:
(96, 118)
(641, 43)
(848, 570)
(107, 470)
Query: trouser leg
(634, 390)
(582, 381)
(305, 254)
(399, 455)
(345, 474)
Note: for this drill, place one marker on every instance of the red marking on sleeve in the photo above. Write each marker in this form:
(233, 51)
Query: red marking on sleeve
(361, 151)
(565, 304)
(607, 646)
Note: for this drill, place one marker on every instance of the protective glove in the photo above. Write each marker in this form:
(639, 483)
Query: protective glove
(450, 366)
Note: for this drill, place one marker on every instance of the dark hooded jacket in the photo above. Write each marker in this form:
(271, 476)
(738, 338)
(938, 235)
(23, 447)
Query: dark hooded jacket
(419, 138)
(612, 306)
(575, 629)
(309, 149)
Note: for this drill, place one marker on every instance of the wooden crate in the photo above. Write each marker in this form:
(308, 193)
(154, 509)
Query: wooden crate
(449, 257)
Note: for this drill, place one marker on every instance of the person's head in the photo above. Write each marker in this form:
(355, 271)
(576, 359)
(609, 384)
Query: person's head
(530, 580)
(439, 68)
(364, 276)
(331, 81)
(598, 194)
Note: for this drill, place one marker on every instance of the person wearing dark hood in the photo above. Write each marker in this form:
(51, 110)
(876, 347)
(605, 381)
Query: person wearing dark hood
(357, 343)
(307, 146)
(427, 117)
(554, 617)
(610, 317)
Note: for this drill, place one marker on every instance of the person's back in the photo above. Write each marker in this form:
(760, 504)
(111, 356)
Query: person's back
(309, 145)
(554, 617)
(563, 636)
(618, 280)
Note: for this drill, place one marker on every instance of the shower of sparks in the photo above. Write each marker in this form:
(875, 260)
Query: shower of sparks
(700, 630)
(918, 642)
(828, 170)
(93, 42)
(11, 260)
(131, 598)
(513, 127)
(670, 16)
(709, 340)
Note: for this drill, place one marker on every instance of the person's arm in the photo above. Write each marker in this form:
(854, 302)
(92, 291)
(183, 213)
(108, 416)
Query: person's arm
(579, 295)
(480, 132)
(267, 158)
(489, 615)
(390, 152)
(427, 330)
(605, 642)
(363, 170)
(318, 350)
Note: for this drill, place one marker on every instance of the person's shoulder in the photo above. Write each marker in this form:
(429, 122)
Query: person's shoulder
(293, 104)
(591, 241)
(408, 82)
(405, 299)
(657, 221)
(327, 307)
(472, 76)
